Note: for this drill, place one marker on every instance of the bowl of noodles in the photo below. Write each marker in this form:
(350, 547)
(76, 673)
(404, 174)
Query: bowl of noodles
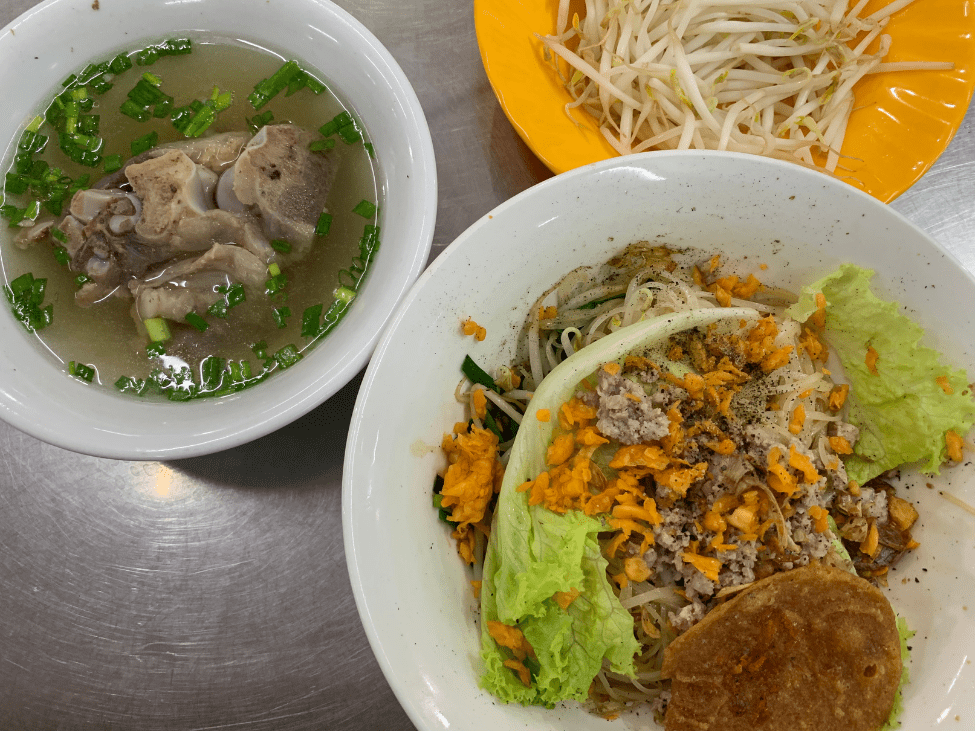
(632, 409)
(154, 308)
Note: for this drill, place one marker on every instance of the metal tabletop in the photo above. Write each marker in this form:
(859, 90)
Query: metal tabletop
(212, 593)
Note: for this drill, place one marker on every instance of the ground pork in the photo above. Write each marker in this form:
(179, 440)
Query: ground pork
(624, 413)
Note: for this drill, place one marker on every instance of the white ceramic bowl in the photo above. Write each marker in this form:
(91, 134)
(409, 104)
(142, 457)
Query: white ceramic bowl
(411, 588)
(56, 38)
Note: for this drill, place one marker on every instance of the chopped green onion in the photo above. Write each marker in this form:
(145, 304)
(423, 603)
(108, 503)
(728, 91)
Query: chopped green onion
(146, 142)
(82, 371)
(365, 209)
(260, 120)
(287, 356)
(324, 224)
(280, 314)
(177, 46)
(59, 235)
(147, 56)
(322, 145)
(286, 76)
(370, 149)
(280, 245)
(235, 294)
(276, 283)
(476, 374)
(152, 78)
(211, 372)
(154, 350)
(218, 309)
(313, 84)
(120, 63)
(196, 321)
(112, 163)
(158, 329)
(130, 109)
(309, 321)
(260, 349)
(273, 269)
(350, 133)
(337, 122)
(81, 280)
(344, 294)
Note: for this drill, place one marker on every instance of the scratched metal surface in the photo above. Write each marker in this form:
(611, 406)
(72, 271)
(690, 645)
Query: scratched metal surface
(212, 593)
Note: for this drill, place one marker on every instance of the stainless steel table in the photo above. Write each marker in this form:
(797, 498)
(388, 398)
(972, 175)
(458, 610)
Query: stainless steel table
(212, 593)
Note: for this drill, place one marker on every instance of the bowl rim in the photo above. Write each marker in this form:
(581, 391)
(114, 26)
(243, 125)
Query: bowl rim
(415, 171)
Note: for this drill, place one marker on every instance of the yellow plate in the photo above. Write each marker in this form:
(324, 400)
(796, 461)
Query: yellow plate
(902, 122)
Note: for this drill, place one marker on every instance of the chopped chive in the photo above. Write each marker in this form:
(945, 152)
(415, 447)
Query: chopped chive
(112, 163)
(152, 78)
(273, 269)
(120, 63)
(280, 245)
(265, 90)
(287, 356)
(309, 321)
(146, 142)
(218, 309)
(322, 145)
(154, 350)
(365, 209)
(158, 329)
(337, 122)
(324, 224)
(130, 109)
(211, 372)
(82, 371)
(350, 133)
(344, 295)
(147, 56)
(476, 374)
(280, 314)
(313, 84)
(61, 256)
(235, 294)
(196, 321)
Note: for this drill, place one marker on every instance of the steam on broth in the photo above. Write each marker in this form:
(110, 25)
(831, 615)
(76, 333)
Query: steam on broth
(253, 268)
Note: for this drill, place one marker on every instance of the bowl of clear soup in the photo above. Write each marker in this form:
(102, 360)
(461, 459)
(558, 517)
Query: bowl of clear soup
(206, 225)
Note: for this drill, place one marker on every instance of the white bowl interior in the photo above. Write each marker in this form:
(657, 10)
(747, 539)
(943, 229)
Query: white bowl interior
(411, 588)
(56, 38)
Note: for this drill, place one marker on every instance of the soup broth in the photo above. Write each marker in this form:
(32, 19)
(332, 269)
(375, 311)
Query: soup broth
(239, 349)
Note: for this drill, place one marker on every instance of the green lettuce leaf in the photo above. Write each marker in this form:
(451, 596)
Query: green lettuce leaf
(534, 553)
(905, 634)
(902, 413)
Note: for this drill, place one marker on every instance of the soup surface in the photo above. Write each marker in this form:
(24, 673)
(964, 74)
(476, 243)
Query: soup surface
(108, 334)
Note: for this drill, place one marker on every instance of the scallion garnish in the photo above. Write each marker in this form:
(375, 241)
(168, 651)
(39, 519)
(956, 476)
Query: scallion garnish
(196, 321)
(82, 371)
(344, 295)
(158, 329)
(476, 374)
(112, 163)
(280, 315)
(218, 309)
(235, 294)
(287, 356)
(280, 245)
(324, 224)
(81, 280)
(260, 120)
(141, 144)
(154, 350)
(370, 149)
(289, 76)
(120, 63)
(365, 209)
(196, 117)
(310, 319)
(211, 372)
(59, 235)
(322, 145)
(350, 133)
(337, 122)
(26, 295)
(260, 349)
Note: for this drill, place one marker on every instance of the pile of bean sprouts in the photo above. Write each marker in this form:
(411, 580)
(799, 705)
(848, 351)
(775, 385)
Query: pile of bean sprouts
(769, 77)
